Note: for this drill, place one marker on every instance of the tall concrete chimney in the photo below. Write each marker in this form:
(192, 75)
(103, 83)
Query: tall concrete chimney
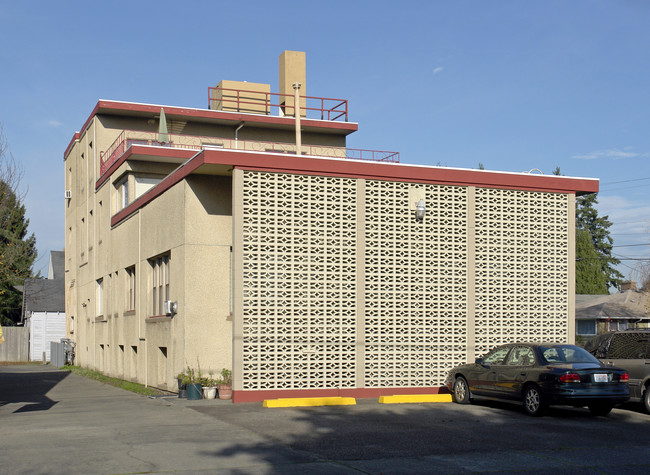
(293, 70)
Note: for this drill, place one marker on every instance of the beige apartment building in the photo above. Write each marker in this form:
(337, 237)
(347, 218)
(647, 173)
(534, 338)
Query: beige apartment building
(249, 237)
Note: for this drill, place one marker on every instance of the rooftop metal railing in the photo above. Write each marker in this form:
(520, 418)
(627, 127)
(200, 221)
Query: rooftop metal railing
(273, 103)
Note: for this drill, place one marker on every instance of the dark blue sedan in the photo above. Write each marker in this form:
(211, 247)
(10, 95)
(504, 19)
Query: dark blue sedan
(539, 375)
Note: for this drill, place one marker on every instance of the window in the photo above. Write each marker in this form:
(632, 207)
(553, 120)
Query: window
(130, 288)
(84, 241)
(100, 297)
(629, 346)
(122, 194)
(586, 327)
(144, 184)
(496, 356)
(108, 289)
(160, 283)
(521, 356)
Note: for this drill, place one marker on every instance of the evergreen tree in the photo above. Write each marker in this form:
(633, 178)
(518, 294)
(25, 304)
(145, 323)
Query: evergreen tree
(590, 278)
(17, 248)
(17, 254)
(598, 228)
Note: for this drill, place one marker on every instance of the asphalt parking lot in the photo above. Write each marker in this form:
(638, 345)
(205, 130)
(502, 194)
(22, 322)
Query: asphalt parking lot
(55, 422)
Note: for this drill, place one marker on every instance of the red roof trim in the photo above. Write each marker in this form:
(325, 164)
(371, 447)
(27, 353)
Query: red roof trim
(223, 115)
(169, 181)
(77, 135)
(277, 163)
(104, 105)
(137, 149)
(401, 172)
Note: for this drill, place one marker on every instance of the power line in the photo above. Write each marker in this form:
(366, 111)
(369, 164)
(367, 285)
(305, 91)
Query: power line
(624, 188)
(613, 257)
(631, 222)
(634, 245)
(625, 181)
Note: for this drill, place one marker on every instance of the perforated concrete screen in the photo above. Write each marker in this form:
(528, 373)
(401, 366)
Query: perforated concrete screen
(299, 296)
(342, 287)
(416, 284)
(522, 267)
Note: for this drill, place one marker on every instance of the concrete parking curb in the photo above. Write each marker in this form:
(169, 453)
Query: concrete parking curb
(415, 398)
(310, 401)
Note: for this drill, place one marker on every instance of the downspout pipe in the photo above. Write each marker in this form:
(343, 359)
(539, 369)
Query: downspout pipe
(237, 135)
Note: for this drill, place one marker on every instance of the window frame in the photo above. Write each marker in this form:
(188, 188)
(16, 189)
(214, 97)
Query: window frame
(99, 297)
(160, 282)
(130, 288)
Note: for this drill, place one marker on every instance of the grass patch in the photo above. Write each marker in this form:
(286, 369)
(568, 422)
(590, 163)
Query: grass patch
(118, 383)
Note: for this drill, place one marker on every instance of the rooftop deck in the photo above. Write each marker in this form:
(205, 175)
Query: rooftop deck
(131, 137)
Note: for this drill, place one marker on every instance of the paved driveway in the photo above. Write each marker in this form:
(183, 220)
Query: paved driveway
(55, 422)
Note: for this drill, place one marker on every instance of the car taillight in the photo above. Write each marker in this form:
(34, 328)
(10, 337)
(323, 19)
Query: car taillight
(625, 378)
(570, 378)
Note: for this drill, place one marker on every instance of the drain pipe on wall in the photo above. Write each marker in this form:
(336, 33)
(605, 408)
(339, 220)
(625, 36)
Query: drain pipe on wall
(296, 113)
(237, 135)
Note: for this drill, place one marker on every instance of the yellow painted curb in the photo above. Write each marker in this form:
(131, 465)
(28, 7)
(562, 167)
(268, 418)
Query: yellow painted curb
(310, 401)
(414, 398)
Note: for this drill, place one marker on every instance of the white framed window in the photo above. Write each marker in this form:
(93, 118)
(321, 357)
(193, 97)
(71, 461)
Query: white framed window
(122, 194)
(160, 282)
(130, 288)
(99, 297)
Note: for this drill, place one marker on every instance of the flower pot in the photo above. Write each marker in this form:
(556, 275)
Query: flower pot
(209, 392)
(225, 391)
(194, 391)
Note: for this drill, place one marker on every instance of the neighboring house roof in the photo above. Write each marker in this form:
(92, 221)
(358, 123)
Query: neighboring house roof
(44, 295)
(57, 265)
(629, 304)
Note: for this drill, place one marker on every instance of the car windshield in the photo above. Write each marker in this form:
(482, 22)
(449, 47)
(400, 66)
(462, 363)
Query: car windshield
(566, 354)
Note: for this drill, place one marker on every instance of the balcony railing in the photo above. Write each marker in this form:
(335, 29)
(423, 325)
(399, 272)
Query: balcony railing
(196, 142)
(273, 103)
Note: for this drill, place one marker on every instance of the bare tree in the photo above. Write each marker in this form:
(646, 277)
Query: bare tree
(11, 173)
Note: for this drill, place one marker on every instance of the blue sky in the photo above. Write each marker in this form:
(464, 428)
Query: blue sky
(514, 85)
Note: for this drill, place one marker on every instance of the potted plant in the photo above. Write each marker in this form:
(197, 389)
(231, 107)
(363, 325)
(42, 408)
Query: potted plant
(182, 384)
(192, 380)
(209, 386)
(225, 384)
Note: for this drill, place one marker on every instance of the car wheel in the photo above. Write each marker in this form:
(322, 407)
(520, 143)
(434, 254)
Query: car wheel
(461, 391)
(533, 401)
(646, 399)
(600, 409)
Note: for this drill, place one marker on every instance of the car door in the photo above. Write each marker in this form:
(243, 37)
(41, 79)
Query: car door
(514, 373)
(628, 350)
(485, 381)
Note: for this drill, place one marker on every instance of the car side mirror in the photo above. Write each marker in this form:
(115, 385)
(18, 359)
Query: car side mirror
(480, 361)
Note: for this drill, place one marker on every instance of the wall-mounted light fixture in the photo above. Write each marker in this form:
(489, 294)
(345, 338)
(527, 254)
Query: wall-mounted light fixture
(420, 210)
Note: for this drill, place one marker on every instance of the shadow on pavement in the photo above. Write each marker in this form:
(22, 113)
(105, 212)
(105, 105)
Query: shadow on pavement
(372, 432)
(29, 386)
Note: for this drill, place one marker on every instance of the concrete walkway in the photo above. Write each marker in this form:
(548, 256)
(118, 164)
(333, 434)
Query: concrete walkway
(55, 422)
